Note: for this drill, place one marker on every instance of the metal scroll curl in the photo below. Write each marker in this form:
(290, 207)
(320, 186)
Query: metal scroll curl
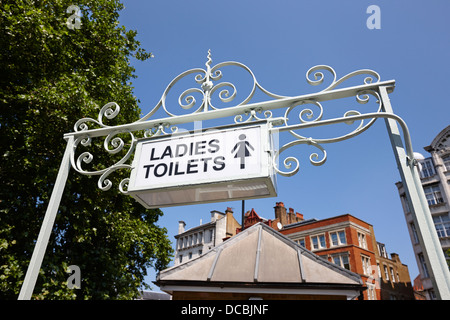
(197, 101)
(307, 117)
(319, 77)
(290, 161)
(113, 145)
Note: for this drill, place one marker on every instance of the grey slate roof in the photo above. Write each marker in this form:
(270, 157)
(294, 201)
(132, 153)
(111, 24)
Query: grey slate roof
(260, 255)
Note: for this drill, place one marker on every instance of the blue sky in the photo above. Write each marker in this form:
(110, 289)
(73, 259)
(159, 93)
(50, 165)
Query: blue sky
(279, 41)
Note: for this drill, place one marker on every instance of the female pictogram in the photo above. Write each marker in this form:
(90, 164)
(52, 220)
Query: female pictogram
(242, 149)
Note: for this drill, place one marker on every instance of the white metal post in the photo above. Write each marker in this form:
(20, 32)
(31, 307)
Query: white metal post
(432, 251)
(47, 225)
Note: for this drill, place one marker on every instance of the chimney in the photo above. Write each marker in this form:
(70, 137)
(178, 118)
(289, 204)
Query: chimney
(280, 213)
(181, 225)
(291, 216)
(395, 257)
(229, 210)
(216, 215)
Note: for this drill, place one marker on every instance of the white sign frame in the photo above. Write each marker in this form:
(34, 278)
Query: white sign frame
(257, 178)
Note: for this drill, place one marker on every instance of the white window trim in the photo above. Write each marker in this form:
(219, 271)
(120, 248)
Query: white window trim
(371, 292)
(362, 240)
(320, 247)
(386, 272)
(338, 238)
(427, 168)
(367, 267)
(391, 269)
(341, 256)
(433, 194)
(299, 240)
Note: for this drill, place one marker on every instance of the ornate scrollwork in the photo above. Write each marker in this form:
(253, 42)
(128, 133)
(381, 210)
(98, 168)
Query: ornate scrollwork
(319, 76)
(226, 91)
(109, 110)
(304, 112)
(113, 145)
(313, 157)
(308, 118)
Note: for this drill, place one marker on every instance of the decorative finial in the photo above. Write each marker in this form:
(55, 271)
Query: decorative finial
(207, 84)
(209, 60)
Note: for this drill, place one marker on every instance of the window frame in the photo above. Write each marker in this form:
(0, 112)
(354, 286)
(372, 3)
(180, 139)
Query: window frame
(428, 169)
(442, 225)
(362, 240)
(341, 256)
(433, 194)
(319, 245)
(338, 238)
(301, 242)
(366, 264)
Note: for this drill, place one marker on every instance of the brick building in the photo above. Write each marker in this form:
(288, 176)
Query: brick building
(348, 242)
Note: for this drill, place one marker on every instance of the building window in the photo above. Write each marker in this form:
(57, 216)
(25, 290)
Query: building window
(427, 168)
(209, 235)
(341, 260)
(405, 203)
(367, 268)
(379, 271)
(362, 240)
(301, 242)
(318, 242)
(432, 294)
(386, 273)
(433, 194)
(371, 294)
(442, 224)
(414, 232)
(337, 238)
(424, 265)
(382, 250)
(392, 274)
(446, 160)
(200, 237)
(180, 257)
(190, 255)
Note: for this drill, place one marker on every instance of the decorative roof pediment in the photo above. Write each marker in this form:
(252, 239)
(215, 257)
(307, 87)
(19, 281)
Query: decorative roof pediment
(441, 142)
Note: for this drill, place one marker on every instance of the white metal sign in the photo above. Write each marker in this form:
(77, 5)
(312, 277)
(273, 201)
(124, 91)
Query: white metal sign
(213, 165)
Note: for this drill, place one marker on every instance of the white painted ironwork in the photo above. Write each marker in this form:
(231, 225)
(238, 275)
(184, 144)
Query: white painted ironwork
(244, 111)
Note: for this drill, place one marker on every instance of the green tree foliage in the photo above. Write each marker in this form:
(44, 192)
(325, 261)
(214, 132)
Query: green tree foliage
(50, 77)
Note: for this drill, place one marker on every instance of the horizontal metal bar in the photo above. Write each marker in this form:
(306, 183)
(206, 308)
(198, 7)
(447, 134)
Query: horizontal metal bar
(233, 111)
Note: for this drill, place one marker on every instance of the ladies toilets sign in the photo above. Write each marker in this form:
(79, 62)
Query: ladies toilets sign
(214, 165)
